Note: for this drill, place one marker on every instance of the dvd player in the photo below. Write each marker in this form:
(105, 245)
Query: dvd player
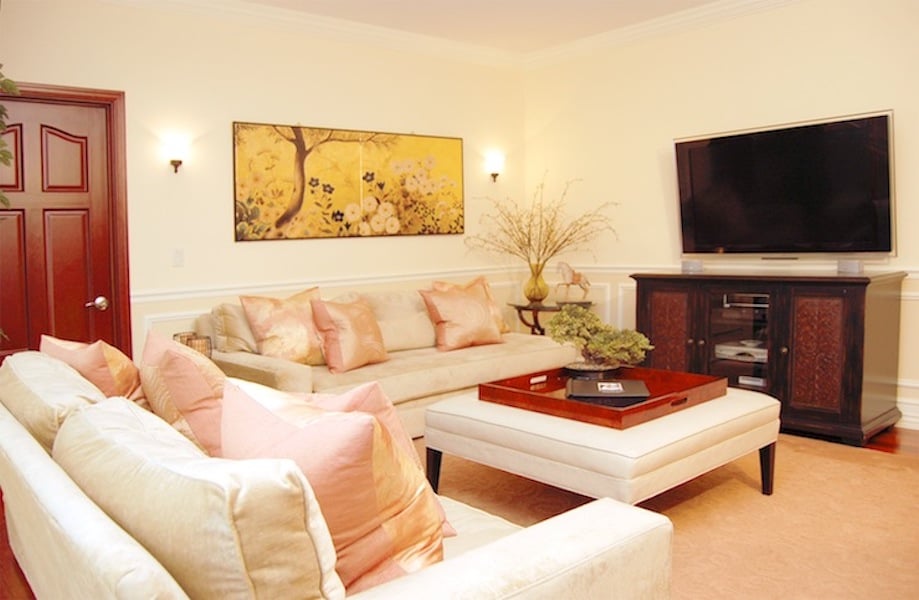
(743, 350)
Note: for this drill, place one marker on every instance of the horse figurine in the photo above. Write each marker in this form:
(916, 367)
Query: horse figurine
(571, 277)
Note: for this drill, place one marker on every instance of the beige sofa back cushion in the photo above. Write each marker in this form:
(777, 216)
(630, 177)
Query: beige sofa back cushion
(223, 528)
(401, 315)
(41, 391)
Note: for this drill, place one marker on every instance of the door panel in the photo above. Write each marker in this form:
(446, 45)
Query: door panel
(60, 240)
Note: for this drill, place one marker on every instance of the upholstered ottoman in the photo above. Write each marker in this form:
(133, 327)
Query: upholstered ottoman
(629, 465)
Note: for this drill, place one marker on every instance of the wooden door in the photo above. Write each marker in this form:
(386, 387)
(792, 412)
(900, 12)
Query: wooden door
(63, 263)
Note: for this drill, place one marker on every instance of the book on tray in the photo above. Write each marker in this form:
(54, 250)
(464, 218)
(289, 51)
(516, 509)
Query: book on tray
(608, 392)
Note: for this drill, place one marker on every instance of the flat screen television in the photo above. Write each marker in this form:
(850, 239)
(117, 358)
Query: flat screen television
(821, 188)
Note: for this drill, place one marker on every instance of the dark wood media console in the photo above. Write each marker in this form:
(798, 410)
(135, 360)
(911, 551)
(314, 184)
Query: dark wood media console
(827, 346)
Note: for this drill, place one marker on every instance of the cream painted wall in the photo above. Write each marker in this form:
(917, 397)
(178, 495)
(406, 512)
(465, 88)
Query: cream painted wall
(622, 106)
(193, 73)
(606, 116)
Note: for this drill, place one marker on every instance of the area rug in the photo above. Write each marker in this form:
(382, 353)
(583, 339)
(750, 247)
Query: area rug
(842, 522)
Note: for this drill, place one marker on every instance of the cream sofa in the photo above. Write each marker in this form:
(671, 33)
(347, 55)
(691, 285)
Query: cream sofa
(416, 374)
(126, 507)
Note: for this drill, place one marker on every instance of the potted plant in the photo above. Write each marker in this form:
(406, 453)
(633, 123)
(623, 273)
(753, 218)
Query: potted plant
(7, 86)
(537, 232)
(602, 346)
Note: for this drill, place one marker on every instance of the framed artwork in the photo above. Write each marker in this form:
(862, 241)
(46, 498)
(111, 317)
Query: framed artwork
(293, 182)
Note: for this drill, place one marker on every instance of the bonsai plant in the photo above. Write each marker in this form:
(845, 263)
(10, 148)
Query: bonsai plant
(601, 345)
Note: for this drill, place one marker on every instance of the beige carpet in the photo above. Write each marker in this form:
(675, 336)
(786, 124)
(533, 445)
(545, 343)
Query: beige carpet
(843, 522)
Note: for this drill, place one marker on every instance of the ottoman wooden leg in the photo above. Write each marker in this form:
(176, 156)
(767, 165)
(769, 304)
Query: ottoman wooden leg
(433, 467)
(767, 467)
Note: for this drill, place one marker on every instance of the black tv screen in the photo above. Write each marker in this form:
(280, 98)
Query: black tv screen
(818, 188)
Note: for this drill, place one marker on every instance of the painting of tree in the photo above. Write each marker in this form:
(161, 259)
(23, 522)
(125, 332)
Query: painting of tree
(295, 182)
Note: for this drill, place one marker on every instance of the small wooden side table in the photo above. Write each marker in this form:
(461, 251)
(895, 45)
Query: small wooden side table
(535, 308)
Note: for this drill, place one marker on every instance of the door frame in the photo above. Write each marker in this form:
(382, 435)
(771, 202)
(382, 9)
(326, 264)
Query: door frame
(112, 102)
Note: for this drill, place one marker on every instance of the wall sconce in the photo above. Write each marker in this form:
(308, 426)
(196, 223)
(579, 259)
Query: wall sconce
(494, 164)
(175, 149)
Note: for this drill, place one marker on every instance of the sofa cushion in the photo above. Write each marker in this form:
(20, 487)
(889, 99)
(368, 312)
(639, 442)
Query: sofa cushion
(42, 391)
(426, 372)
(284, 328)
(461, 318)
(479, 286)
(402, 317)
(351, 337)
(223, 528)
(105, 366)
(184, 388)
(231, 329)
(382, 514)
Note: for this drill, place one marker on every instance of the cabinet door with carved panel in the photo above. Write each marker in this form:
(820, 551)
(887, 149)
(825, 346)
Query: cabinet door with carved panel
(824, 348)
(668, 314)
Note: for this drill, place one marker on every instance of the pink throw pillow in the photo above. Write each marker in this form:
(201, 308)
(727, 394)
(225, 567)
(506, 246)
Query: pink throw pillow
(380, 510)
(284, 328)
(184, 388)
(105, 366)
(461, 318)
(479, 285)
(350, 334)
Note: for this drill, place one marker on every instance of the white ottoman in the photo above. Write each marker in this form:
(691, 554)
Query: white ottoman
(629, 465)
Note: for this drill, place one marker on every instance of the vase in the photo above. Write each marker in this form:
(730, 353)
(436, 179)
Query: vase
(584, 369)
(536, 289)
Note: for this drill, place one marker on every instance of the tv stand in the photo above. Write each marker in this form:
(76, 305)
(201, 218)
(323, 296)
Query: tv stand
(825, 345)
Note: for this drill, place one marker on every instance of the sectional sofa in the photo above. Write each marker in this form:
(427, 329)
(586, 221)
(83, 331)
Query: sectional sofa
(438, 343)
(106, 499)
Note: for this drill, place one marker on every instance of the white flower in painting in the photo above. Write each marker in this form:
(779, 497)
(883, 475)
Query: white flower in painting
(364, 228)
(378, 223)
(393, 225)
(353, 213)
(370, 204)
(387, 209)
(429, 162)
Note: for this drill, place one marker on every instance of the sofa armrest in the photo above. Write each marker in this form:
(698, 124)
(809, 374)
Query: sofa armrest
(603, 549)
(277, 373)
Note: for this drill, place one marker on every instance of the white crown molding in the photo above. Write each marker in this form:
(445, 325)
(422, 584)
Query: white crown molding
(349, 31)
(339, 30)
(681, 21)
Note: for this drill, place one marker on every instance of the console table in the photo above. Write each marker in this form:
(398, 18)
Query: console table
(535, 308)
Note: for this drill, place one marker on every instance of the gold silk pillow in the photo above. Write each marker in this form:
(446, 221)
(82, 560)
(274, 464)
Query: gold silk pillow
(284, 328)
(105, 366)
(382, 513)
(479, 285)
(350, 334)
(461, 318)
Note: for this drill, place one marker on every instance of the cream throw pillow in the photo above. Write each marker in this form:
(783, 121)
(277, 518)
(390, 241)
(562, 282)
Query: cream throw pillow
(351, 337)
(461, 318)
(222, 528)
(382, 514)
(231, 329)
(42, 391)
(284, 328)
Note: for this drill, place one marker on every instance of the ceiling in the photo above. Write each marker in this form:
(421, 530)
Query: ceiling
(517, 26)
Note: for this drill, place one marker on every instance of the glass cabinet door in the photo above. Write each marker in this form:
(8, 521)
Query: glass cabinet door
(738, 337)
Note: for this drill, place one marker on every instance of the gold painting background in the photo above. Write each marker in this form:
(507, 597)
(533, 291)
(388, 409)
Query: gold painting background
(305, 182)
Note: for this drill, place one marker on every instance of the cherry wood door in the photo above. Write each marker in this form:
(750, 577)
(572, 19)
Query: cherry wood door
(63, 250)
